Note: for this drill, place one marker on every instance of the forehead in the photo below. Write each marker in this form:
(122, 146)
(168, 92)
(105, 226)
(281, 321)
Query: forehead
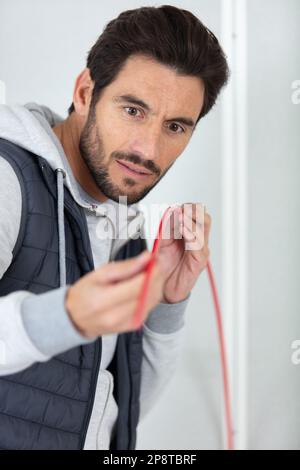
(159, 85)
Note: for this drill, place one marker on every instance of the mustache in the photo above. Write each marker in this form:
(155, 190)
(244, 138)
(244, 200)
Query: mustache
(137, 160)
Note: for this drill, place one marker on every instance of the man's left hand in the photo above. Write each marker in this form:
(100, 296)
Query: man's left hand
(184, 254)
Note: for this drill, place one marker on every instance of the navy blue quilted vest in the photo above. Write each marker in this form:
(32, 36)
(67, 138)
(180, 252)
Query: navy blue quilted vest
(48, 405)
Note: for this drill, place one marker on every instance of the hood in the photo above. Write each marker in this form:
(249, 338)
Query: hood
(30, 127)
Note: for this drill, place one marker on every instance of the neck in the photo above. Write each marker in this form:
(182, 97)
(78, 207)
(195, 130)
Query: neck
(68, 132)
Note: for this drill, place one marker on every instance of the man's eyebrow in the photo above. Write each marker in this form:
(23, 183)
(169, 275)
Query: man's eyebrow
(137, 101)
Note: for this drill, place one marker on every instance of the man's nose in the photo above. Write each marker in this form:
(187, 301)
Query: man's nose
(147, 143)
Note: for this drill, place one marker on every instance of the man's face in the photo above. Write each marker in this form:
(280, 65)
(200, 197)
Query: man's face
(143, 119)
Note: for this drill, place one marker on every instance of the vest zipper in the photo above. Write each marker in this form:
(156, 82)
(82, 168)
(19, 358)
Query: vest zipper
(92, 398)
(98, 343)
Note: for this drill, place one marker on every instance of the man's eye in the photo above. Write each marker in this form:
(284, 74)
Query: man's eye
(131, 108)
(176, 127)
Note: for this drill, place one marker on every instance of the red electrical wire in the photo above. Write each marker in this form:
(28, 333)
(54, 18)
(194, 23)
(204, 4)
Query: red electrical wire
(228, 416)
(144, 291)
(138, 324)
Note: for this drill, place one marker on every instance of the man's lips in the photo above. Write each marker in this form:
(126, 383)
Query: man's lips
(133, 169)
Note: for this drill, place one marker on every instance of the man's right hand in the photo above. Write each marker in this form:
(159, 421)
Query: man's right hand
(104, 301)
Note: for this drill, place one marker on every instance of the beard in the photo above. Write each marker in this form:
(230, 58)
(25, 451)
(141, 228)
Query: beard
(92, 152)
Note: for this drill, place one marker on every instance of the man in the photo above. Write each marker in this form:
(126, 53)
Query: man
(75, 374)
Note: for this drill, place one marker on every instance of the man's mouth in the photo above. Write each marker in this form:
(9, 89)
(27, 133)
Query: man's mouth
(134, 170)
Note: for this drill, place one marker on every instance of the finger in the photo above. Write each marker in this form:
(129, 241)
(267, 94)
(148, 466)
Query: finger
(170, 229)
(122, 317)
(195, 211)
(193, 234)
(193, 241)
(207, 228)
(203, 219)
(119, 270)
(122, 314)
(127, 290)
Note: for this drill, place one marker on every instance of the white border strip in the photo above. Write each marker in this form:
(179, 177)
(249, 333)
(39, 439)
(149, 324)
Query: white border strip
(227, 144)
(242, 217)
(235, 210)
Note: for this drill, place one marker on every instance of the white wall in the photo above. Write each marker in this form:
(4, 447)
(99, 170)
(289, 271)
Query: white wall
(43, 47)
(274, 225)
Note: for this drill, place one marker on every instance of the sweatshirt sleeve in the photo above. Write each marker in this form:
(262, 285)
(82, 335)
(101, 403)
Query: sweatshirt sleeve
(33, 328)
(162, 344)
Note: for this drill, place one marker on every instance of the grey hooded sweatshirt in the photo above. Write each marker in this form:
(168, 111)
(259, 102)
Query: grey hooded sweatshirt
(26, 336)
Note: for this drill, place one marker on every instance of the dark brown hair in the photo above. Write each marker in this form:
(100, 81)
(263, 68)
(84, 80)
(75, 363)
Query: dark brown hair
(172, 36)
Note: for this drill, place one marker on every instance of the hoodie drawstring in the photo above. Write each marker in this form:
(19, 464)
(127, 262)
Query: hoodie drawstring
(60, 175)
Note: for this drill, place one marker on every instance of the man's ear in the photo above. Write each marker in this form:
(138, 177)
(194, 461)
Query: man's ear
(83, 93)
